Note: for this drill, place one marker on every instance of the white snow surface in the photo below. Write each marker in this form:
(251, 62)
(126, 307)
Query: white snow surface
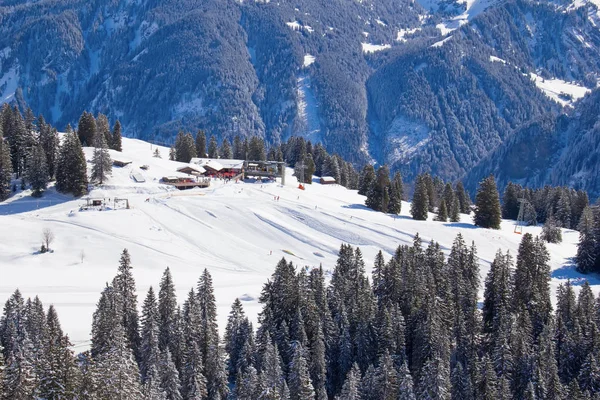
(441, 42)
(372, 48)
(403, 32)
(10, 82)
(230, 229)
(308, 60)
(559, 90)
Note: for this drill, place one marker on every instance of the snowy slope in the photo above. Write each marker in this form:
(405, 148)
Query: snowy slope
(229, 228)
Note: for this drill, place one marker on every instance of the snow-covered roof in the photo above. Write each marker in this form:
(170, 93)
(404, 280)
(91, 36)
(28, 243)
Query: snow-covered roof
(218, 164)
(328, 179)
(196, 168)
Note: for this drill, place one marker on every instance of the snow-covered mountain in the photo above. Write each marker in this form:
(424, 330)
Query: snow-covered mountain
(434, 85)
(236, 230)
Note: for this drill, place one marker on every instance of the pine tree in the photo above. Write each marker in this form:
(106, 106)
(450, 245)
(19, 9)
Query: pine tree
(405, 384)
(124, 284)
(185, 148)
(442, 214)
(510, 201)
(103, 128)
(6, 169)
(247, 386)
(454, 214)
(586, 249)
(213, 148)
(487, 386)
(101, 163)
(463, 198)
(116, 143)
(420, 201)
(150, 353)
(49, 141)
(170, 378)
(225, 150)
(299, 381)
(71, 169)
(487, 204)
(378, 196)
(37, 171)
(350, 390)
(238, 148)
(367, 177)
(563, 210)
(156, 153)
(396, 192)
(201, 144)
(236, 334)
(168, 317)
(551, 232)
(86, 129)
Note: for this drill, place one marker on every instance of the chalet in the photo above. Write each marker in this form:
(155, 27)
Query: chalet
(219, 167)
(120, 163)
(192, 170)
(327, 180)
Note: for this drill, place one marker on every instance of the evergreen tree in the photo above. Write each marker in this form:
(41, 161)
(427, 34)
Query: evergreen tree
(71, 168)
(442, 214)
(236, 333)
(168, 317)
(6, 169)
(378, 196)
(156, 153)
(420, 201)
(487, 204)
(510, 201)
(586, 249)
(201, 144)
(405, 384)
(487, 385)
(213, 148)
(49, 141)
(247, 386)
(150, 353)
(367, 177)
(551, 232)
(563, 210)
(124, 284)
(238, 148)
(225, 150)
(37, 171)
(185, 148)
(103, 128)
(299, 381)
(350, 390)
(170, 383)
(256, 149)
(396, 192)
(454, 213)
(463, 198)
(101, 163)
(86, 129)
(117, 139)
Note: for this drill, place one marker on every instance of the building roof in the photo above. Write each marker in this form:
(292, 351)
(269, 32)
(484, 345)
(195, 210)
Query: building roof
(328, 179)
(218, 164)
(194, 168)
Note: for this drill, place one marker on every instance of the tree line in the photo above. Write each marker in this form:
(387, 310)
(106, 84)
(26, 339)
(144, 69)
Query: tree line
(413, 330)
(32, 152)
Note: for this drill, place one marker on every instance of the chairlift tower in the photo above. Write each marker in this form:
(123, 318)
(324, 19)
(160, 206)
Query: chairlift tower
(521, 217)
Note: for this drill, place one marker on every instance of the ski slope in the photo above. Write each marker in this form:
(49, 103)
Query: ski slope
(236, 230)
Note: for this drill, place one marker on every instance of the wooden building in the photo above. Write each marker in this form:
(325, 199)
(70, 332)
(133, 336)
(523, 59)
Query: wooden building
(327, 180)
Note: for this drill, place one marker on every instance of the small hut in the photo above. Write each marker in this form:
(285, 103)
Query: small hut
(327, 180)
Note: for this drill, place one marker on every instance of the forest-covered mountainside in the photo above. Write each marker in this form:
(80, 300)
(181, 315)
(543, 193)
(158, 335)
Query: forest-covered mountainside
(429, 86)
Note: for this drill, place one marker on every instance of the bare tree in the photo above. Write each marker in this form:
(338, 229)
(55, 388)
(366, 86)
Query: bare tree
(47, 237)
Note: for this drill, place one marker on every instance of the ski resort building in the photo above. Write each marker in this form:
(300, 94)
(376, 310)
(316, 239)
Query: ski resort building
(327, 180)
(222, 167)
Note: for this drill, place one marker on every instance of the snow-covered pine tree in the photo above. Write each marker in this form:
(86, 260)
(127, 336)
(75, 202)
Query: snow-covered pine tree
(214, 367)
(351, 387)
(167, 310)
(551, 232)
(149, 351)
(420, 202)
(367, 176)
(587, 256)
(37, 171)
(124, 284)
(299, 381)
(213, 147)
(103, 128)
(487, 385)
(101, 162)
(442, 214)
(170, 382)
(185, 148)
(563, 209)
(487, 204)
(152, 389)
(454, 212)
(236, 333)
(59, 377)
(405, 384)
(6, 169)
(71, 168)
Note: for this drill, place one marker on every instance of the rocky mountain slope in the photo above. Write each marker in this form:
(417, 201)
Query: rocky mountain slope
(435, 85)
